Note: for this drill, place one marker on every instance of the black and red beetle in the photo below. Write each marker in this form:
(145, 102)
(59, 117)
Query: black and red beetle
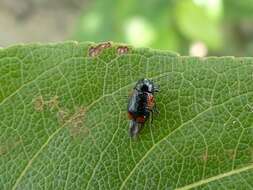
(141, 105)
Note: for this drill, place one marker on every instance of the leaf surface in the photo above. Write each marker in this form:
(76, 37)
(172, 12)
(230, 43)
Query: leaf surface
(63, 121)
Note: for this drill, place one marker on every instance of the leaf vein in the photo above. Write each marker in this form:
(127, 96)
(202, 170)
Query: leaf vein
(214, 178)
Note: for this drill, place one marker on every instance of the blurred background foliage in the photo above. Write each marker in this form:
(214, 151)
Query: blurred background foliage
(190, 27)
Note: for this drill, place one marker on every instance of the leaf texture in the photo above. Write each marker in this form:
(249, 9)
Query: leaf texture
(63, 121)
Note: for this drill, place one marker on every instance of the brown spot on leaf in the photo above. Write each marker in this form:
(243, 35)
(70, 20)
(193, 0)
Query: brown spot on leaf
(104, 45)
(122, 50)
(78, 131)
(74, 122)
(3, 150)
(95, 51)
(53, 102)
(9, 145)
(78, 117)
(65, 117)
(39, 104)
(62, 116)
(205, 156)
(76, 127)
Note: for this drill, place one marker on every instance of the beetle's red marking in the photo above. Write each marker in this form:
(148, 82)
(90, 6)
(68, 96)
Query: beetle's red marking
(151, 101)
(140, 119)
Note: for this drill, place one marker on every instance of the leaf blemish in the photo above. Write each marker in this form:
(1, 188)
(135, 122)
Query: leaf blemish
(205, 156)
(53, 102)
(77, 117)
(3, 150)
(105, 45)
(39, 104)
(76, 121)
(95, 51)
(122, 50)
(8, 146)
(73, 122)
(62, 116)
(78, 131)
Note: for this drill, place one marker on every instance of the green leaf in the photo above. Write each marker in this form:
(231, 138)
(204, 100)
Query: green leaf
(63, 122)
(238, 10)
(196, 24)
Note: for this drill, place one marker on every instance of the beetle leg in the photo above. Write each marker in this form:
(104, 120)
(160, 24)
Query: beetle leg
(133, 128)
(152, 116)
(155, 109)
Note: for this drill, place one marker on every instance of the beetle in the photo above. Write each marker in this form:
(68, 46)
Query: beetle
(141, 105)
